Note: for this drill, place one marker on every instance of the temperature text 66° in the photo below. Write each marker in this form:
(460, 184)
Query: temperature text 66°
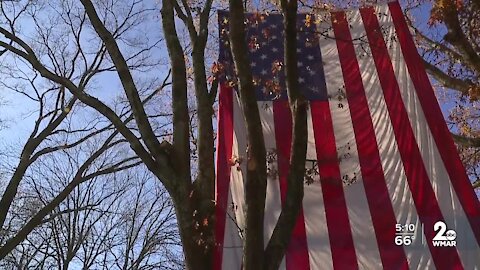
(405, 240)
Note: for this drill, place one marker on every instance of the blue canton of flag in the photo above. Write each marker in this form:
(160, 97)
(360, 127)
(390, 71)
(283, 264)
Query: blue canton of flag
(265, 43)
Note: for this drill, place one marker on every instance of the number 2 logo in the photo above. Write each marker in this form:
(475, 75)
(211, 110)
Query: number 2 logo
(442, 234)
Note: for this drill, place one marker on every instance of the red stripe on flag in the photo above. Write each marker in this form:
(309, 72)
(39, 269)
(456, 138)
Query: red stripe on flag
(339, 231)
(296, 256)
(224, 154)
(434, 117)
(381, 210)
(422, 192)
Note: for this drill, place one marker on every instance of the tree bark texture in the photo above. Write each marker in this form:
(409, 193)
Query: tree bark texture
(256, 180)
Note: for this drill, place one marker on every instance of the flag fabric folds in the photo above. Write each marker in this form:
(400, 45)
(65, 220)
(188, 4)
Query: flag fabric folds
(384, 185)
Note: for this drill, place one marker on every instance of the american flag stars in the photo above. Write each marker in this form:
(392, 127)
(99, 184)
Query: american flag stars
(267, 55)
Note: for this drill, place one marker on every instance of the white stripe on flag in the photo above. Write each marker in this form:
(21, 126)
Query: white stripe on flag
(359, 214)
(273, 202)
(452, 210)
(233, 244)
(381, 210)
(239, 151)
(418, 253)
(314, 213)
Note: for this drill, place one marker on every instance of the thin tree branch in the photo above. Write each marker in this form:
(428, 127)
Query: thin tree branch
(161, 165)
(126, 79)
(456, 36)
(466, 141)
(453, 83)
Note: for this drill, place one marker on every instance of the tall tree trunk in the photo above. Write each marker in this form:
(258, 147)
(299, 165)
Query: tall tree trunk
(298, 105)
(256, 181)
(197, 252)
(193, 202)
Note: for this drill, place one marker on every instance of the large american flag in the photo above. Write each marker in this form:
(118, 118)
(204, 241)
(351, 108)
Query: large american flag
(381, 163)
